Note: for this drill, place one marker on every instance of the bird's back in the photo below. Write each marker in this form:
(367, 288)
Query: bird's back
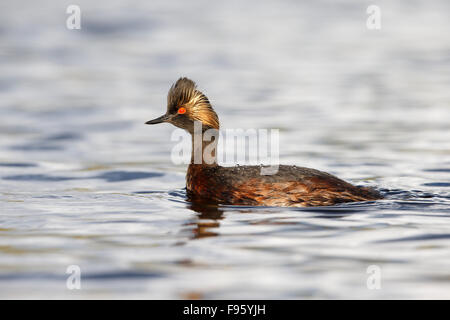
(289, 186)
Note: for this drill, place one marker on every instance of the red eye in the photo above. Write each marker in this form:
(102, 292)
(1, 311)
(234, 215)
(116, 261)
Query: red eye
(182, 110)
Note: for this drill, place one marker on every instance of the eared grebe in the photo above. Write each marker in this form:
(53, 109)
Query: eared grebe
(290, 186)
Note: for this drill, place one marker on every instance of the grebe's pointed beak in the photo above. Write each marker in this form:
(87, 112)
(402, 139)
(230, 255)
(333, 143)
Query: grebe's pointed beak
(161, 119)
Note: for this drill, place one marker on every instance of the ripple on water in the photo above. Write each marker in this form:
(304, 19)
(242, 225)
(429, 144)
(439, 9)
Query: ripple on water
(437, 184)
(18, 164)
(110, 176)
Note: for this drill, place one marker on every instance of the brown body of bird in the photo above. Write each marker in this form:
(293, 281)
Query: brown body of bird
(290, 186)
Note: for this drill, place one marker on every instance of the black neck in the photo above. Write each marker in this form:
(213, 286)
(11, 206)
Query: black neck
(204, 152)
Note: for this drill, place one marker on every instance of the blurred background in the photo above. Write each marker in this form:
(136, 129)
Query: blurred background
(84, 182)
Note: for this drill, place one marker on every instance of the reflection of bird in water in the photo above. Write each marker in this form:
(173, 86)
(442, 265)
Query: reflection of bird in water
(290, 186)
(209, 212)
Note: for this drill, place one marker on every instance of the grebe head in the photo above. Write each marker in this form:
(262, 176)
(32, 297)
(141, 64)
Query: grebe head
(186, 104)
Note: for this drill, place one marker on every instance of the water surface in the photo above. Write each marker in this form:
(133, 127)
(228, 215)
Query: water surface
(84, 182)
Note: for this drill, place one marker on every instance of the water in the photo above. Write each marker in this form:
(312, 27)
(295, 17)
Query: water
(84, 182)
